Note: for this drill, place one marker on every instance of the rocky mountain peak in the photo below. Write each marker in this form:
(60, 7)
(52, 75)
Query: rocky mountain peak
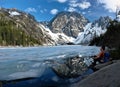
(64, 26)
(16, 14)
(102, 22)
(69, 23)
(118, 16)
(92, 30)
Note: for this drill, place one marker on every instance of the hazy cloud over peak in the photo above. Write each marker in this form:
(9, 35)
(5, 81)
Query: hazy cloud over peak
(110, 5)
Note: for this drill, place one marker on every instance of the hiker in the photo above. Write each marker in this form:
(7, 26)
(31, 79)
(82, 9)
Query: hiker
(100, 57)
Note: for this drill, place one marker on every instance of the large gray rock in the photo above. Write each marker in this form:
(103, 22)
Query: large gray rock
(71, 67)
(106, 77)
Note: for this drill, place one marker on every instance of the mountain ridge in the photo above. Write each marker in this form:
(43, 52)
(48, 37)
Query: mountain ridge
(92, 30)
(69, 23)
(26, 23)
(62, 29)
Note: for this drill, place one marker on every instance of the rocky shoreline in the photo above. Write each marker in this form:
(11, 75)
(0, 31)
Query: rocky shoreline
(107, 76)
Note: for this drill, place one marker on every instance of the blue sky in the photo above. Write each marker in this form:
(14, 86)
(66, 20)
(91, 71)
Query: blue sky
(44, 10)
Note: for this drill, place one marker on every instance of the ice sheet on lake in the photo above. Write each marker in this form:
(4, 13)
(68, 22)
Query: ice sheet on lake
(36, 65)
(30, 61)
(19, 75)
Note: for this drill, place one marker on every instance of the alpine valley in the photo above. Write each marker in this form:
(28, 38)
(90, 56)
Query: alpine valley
(18, 28)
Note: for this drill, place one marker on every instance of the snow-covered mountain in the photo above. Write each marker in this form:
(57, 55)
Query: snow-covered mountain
(118, 16)
(62, 29)
(92, 30)
(34, 33)
(69, 23)
(37, 30)
(55, 38)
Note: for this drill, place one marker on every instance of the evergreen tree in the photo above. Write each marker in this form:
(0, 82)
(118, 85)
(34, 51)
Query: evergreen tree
(10, 34)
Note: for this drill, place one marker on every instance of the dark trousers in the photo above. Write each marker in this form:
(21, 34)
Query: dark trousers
(97, 60)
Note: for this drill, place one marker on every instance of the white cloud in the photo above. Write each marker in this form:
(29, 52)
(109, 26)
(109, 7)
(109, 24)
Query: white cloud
(110, 5)
(72, 6)
(84, 5)
(62, 1)
(54, 11)
(71, 9)
(30, 10)
(73, 3)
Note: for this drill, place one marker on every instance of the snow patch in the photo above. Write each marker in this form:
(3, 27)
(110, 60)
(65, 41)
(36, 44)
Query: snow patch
(56, 37)
(61, 56)
(89, 33)
(118, 18)
(36, 65)
(14, 13)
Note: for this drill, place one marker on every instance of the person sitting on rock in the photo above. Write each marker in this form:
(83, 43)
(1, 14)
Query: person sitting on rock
(99, 58)
(106, 55)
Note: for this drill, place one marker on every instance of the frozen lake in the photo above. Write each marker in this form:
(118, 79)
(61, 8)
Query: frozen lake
(24, 62)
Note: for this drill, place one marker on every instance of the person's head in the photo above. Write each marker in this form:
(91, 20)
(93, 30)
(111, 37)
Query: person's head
(102, 48)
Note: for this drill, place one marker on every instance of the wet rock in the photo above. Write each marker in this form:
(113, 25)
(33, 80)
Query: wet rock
(72, 67)
(99, 66)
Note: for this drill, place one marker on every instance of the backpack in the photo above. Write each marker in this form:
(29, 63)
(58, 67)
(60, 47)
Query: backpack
(106, 57)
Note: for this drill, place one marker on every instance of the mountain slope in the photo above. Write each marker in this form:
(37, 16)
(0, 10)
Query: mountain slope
(20, 28)
(13, 29)
(56, 38)
(111, 38)
(92, 30)
(69, 23)
(118, 15)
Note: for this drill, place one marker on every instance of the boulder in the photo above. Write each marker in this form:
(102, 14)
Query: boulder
(108, 76)
(72, 67)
